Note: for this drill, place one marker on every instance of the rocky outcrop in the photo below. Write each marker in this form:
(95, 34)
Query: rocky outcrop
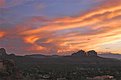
(83, 53)
(3, 53)
(79, 53)
(91, 53)
(9, 70)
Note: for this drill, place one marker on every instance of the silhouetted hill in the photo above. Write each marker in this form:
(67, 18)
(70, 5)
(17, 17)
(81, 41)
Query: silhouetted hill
(36, 56)
(81, 58)
(67, 60)
(42, 56)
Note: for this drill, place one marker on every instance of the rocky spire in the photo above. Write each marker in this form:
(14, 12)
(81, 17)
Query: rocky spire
(3, 53)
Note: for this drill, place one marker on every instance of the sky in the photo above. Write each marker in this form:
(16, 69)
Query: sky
(60, 27)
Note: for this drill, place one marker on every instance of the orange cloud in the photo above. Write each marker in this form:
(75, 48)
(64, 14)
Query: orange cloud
(31, 39)
(104, 23)
(91, 18)
(64, 35)
(2, 34)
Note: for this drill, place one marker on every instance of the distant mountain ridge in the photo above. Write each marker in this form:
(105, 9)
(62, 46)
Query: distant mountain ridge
(80, 53)
(110, 55)
(80, 57)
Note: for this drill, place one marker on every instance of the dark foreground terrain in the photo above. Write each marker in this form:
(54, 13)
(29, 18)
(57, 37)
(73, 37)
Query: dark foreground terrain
(78, 66)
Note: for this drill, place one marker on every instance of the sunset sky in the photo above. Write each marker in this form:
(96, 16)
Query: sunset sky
(60, 26)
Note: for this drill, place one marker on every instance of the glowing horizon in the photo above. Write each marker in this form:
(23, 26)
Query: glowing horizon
(60, 27)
